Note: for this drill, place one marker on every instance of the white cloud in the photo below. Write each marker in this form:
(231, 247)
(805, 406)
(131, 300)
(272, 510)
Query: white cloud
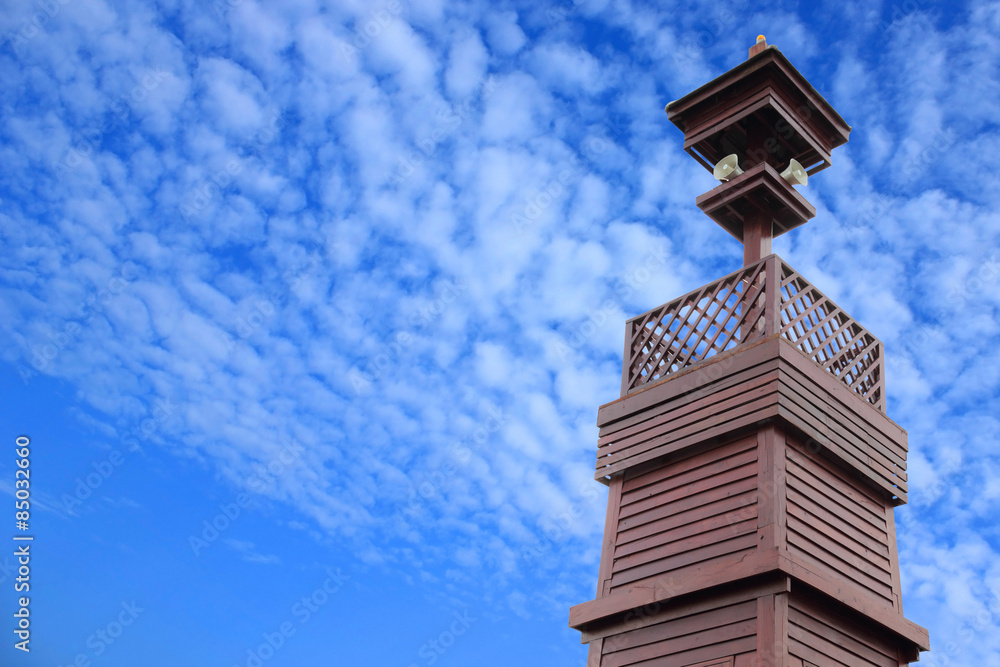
(430, 292)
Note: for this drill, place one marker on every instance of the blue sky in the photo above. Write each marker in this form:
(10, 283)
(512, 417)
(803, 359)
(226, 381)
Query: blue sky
(308, 327)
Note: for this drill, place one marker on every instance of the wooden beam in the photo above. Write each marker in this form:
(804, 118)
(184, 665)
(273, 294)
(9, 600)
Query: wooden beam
(610, 535)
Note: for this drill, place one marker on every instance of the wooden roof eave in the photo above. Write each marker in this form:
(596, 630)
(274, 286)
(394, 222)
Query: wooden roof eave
(766, 57)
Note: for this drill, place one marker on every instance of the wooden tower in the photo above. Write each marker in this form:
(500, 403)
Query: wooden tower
(752, 470)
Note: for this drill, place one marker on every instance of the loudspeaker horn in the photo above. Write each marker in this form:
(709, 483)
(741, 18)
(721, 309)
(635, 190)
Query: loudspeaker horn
(727, 167)
(795, 174)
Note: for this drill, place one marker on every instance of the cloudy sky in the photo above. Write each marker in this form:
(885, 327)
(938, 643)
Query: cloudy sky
(307, 308)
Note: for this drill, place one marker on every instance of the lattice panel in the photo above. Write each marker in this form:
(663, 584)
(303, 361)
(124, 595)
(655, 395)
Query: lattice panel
(832, 338)
(696, 326)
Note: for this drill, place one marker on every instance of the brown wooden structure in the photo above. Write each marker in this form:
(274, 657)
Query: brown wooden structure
(752, 469)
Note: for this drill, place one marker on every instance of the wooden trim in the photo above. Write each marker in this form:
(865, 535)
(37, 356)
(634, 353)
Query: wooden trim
(781, 629)
(626, 356)
(718, 662)
(897, 586)
(595, 651)
(692, 413)
(767, 637)
(690, 379)
(772, 630)
(658, 612)
(820, 631)
(772, 307)
(664, 587)
(844, 591)
(610, 535)
(892, 452)
(772, 504)
(858, 405)
(746, 417)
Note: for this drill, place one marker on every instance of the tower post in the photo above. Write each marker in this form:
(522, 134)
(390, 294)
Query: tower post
(751, 467)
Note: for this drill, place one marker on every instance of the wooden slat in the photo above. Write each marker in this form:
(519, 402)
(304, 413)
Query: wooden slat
(828, 411)
(732, 424)
(812, 606)
(720, 423)
(857, 448)
(844, 396)
(825, 564)
(842, 425)
(716, 573)
(877, 610)
(675, 412)
(688, 503)
(681, 606)
(878, 458)
(688, 649)
(664, 552)
(713, 618)
(691, 422)
(689, 468)
(673, 493)
(742, 505)
(692, 557)
(817, 641)
(696, 527)
(861, 534)
(703, 379)
(824, 495)
(834, 450)
(813, 544)
(860, 457)
(811, 471)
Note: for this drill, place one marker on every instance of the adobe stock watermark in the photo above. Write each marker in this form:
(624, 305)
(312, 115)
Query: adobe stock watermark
(432, 650)
(223, 7)
(369, 28)
(624, 286)
(90, 139)
(65, 335)
(363, 375)
(970, 629)
(558, 528)
(432, 483)
(34, 23)
(555, 189)
(201, 195)
(724, 16)
(103, 469)
(449, 120)
(878, 206)
(981, 281)
(561, 11)
(267, 305)
(899, 13)
(104, 637)
(302, 611)
(263, 480)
